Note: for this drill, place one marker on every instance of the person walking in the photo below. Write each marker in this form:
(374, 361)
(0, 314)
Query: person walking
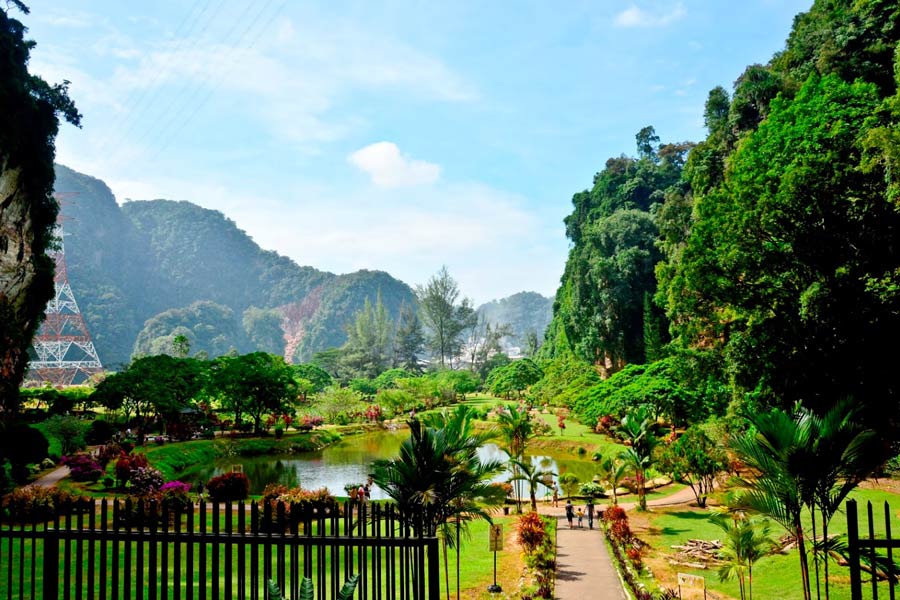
(570, 512)
(555, 496)
(589, 507)
(580, 518)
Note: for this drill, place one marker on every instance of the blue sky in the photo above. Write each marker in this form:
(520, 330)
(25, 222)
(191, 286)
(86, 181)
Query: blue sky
(390, 135)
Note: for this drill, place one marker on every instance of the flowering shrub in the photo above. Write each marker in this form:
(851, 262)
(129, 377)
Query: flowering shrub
(174, 495)
(127, 464)
(146, 480)
(536, 534)
(109, 452)
(635, 556)
(82, 467)
(228, 487)
(297, 503)
(373, 413)
(32, 503)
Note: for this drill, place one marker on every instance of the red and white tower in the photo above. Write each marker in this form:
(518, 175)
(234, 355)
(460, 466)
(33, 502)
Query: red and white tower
(64, 353)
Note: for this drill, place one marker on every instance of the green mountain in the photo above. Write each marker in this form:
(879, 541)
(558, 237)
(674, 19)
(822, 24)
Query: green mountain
(150, 270)
(524, 312)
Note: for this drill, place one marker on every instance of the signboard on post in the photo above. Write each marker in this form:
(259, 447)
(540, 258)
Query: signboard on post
(496, 538)
(686, 580)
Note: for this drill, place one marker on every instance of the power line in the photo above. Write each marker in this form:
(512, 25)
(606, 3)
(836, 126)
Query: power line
(166, 142)
(180, 101)
(130, 117)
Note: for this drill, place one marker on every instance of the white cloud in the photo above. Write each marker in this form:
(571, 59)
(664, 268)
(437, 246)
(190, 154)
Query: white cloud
(390, 169)
(634, 16)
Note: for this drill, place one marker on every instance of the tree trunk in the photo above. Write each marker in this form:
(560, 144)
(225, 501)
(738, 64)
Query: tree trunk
(804, 561)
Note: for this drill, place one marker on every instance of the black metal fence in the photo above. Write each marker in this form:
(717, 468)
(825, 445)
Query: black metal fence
(872, 554)
(112, 550)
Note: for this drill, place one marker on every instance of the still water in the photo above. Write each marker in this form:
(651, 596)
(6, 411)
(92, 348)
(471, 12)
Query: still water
(350, 460)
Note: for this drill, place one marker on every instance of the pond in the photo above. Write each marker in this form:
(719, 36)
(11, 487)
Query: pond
(350, 460)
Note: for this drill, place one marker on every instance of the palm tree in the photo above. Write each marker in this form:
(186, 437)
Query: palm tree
(803, 461)
(613, 470)
(637, 429)
(745, 543)
(516, 429)
(533, 476)
(439, 476)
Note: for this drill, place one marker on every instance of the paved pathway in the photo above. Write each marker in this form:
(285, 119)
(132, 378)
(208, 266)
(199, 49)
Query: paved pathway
(53, 477)
(584, 568)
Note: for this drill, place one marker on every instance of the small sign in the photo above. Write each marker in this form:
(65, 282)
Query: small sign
(496, 538)
(691, 581)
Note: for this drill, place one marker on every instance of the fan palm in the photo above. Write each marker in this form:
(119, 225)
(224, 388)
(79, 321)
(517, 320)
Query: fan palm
(745, 543)
(533, 476)
(516, 429)
(439, 477)
(803, 461)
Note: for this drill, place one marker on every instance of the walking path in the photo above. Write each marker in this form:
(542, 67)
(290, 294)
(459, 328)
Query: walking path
(53, 477)
(584, 567)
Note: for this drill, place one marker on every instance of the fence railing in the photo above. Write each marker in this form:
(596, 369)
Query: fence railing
(863, 553)
(115, 550)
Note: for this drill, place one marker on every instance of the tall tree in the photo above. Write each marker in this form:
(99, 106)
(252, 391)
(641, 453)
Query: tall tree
(409, 341)
(445, 314)
(30, 109)
(253, 384)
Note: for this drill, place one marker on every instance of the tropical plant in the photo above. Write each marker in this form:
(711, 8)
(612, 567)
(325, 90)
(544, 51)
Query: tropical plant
(746, 541)
(696, 459)
(307, 592)
(438, 479)
(516, 428)
(637, 430)
(803, 461)
(533, 475)
(569, 483)
(613, 470)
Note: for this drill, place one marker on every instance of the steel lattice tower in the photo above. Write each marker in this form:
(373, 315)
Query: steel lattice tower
(64, 353)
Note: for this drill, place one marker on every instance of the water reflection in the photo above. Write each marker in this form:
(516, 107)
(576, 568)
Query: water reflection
(350, 460)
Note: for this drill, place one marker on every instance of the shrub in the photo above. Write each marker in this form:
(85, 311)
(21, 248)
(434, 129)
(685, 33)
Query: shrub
(589, 488)
(174, 495)
(34, 503)
(145, 481)
(127, 465)
(531, 531)
(228, 487)
(83, 467)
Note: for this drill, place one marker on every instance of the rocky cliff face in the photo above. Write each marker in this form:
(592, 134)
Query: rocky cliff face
(26, 281)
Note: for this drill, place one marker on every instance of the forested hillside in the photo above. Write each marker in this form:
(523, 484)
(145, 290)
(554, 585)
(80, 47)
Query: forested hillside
(148, 271)
(768, 251)
(526, 313)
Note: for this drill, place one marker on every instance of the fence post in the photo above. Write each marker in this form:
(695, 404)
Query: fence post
(434, 569)
(853, 551)
(51, 565)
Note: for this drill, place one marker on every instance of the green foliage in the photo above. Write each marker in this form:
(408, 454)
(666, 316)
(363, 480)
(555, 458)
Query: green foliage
(746, 541)
(60, 401)
(370, 342)
(263, 329)
(569, 483)
(337, 403)
(30, 109)
(388, 379)
(69, 431)
(445, 315)
(514, 377)
(695, 458)
(657, 386)
(564, 378)
(209, 328)
(253, 384)
(20, 445)
(307, 592)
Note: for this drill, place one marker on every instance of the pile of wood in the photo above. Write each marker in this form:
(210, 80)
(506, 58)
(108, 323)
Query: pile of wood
(697, 554)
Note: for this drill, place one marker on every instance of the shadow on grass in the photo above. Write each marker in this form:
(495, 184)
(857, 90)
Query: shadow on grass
(684, 516)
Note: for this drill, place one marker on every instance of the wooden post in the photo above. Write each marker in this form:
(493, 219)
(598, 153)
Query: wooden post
(853, 551)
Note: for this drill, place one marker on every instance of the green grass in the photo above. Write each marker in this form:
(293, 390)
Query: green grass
(775, 576)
